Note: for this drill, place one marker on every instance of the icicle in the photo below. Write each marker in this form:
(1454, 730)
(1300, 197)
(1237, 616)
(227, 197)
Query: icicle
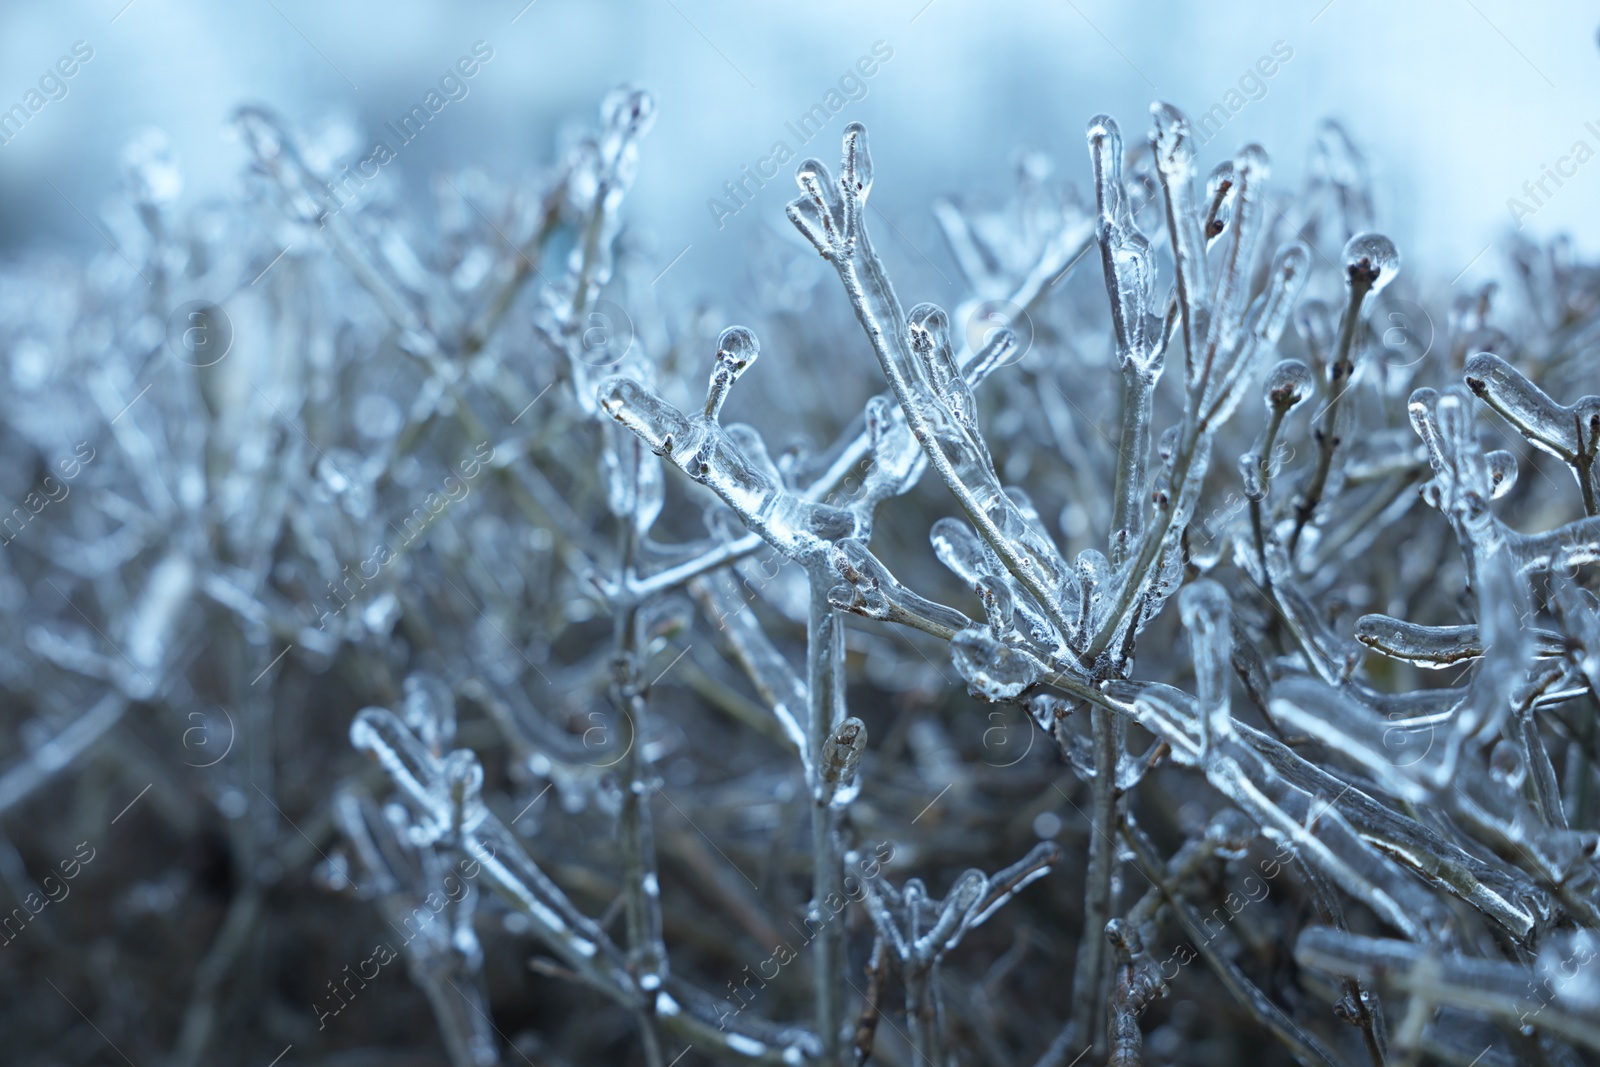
(1173, 141)
(1207, 616)
(380, 733)
(1263, 325)
(1129, 267)
(462, 790)
(1437, 647)
(976, 564)
(1231, 287)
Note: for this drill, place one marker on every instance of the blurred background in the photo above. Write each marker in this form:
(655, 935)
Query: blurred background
(1457, 103)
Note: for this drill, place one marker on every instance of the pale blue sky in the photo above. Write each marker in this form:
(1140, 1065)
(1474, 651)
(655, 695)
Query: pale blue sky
(1457, 102)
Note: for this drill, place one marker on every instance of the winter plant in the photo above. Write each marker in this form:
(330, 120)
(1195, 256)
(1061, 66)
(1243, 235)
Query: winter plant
(1197, 682)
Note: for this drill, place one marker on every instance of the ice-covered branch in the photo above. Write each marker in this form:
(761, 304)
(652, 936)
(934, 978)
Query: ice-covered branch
(1571, 432)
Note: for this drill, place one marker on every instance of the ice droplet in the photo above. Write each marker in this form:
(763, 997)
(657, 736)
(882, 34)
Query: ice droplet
(994, 671)
(1207, 615)
(959, 549)
(1231, 831)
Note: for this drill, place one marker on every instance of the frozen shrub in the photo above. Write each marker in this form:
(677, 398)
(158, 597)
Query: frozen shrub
(683, 748)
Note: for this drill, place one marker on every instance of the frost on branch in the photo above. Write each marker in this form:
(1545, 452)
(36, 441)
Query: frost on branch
(681, 684)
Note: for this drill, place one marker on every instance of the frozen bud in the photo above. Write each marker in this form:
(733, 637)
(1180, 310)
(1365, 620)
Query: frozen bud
(1104, 137)
(1252, 164)
(1250, 474)
(1568, 432)
(1173, 142)
(628, 110)
(930, 323)
(842, 752)
(998, 605)
(659, 425)
(965, 895)
(1219, 188)
(1485, 368)
(429, 710)
(1586, 410)
(1222, 180)
(1290, 268)
(1124, 936)
(1287, 385)
(812, 174)
(463, 777)
(1047, 709)
(864, 592)
(857, 171)
(1094, 575)
(1370, 262)
(930, 340)
(1502, 472)
(1105, 155)
(1168, 442)
(818, 212)
(737, 348)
